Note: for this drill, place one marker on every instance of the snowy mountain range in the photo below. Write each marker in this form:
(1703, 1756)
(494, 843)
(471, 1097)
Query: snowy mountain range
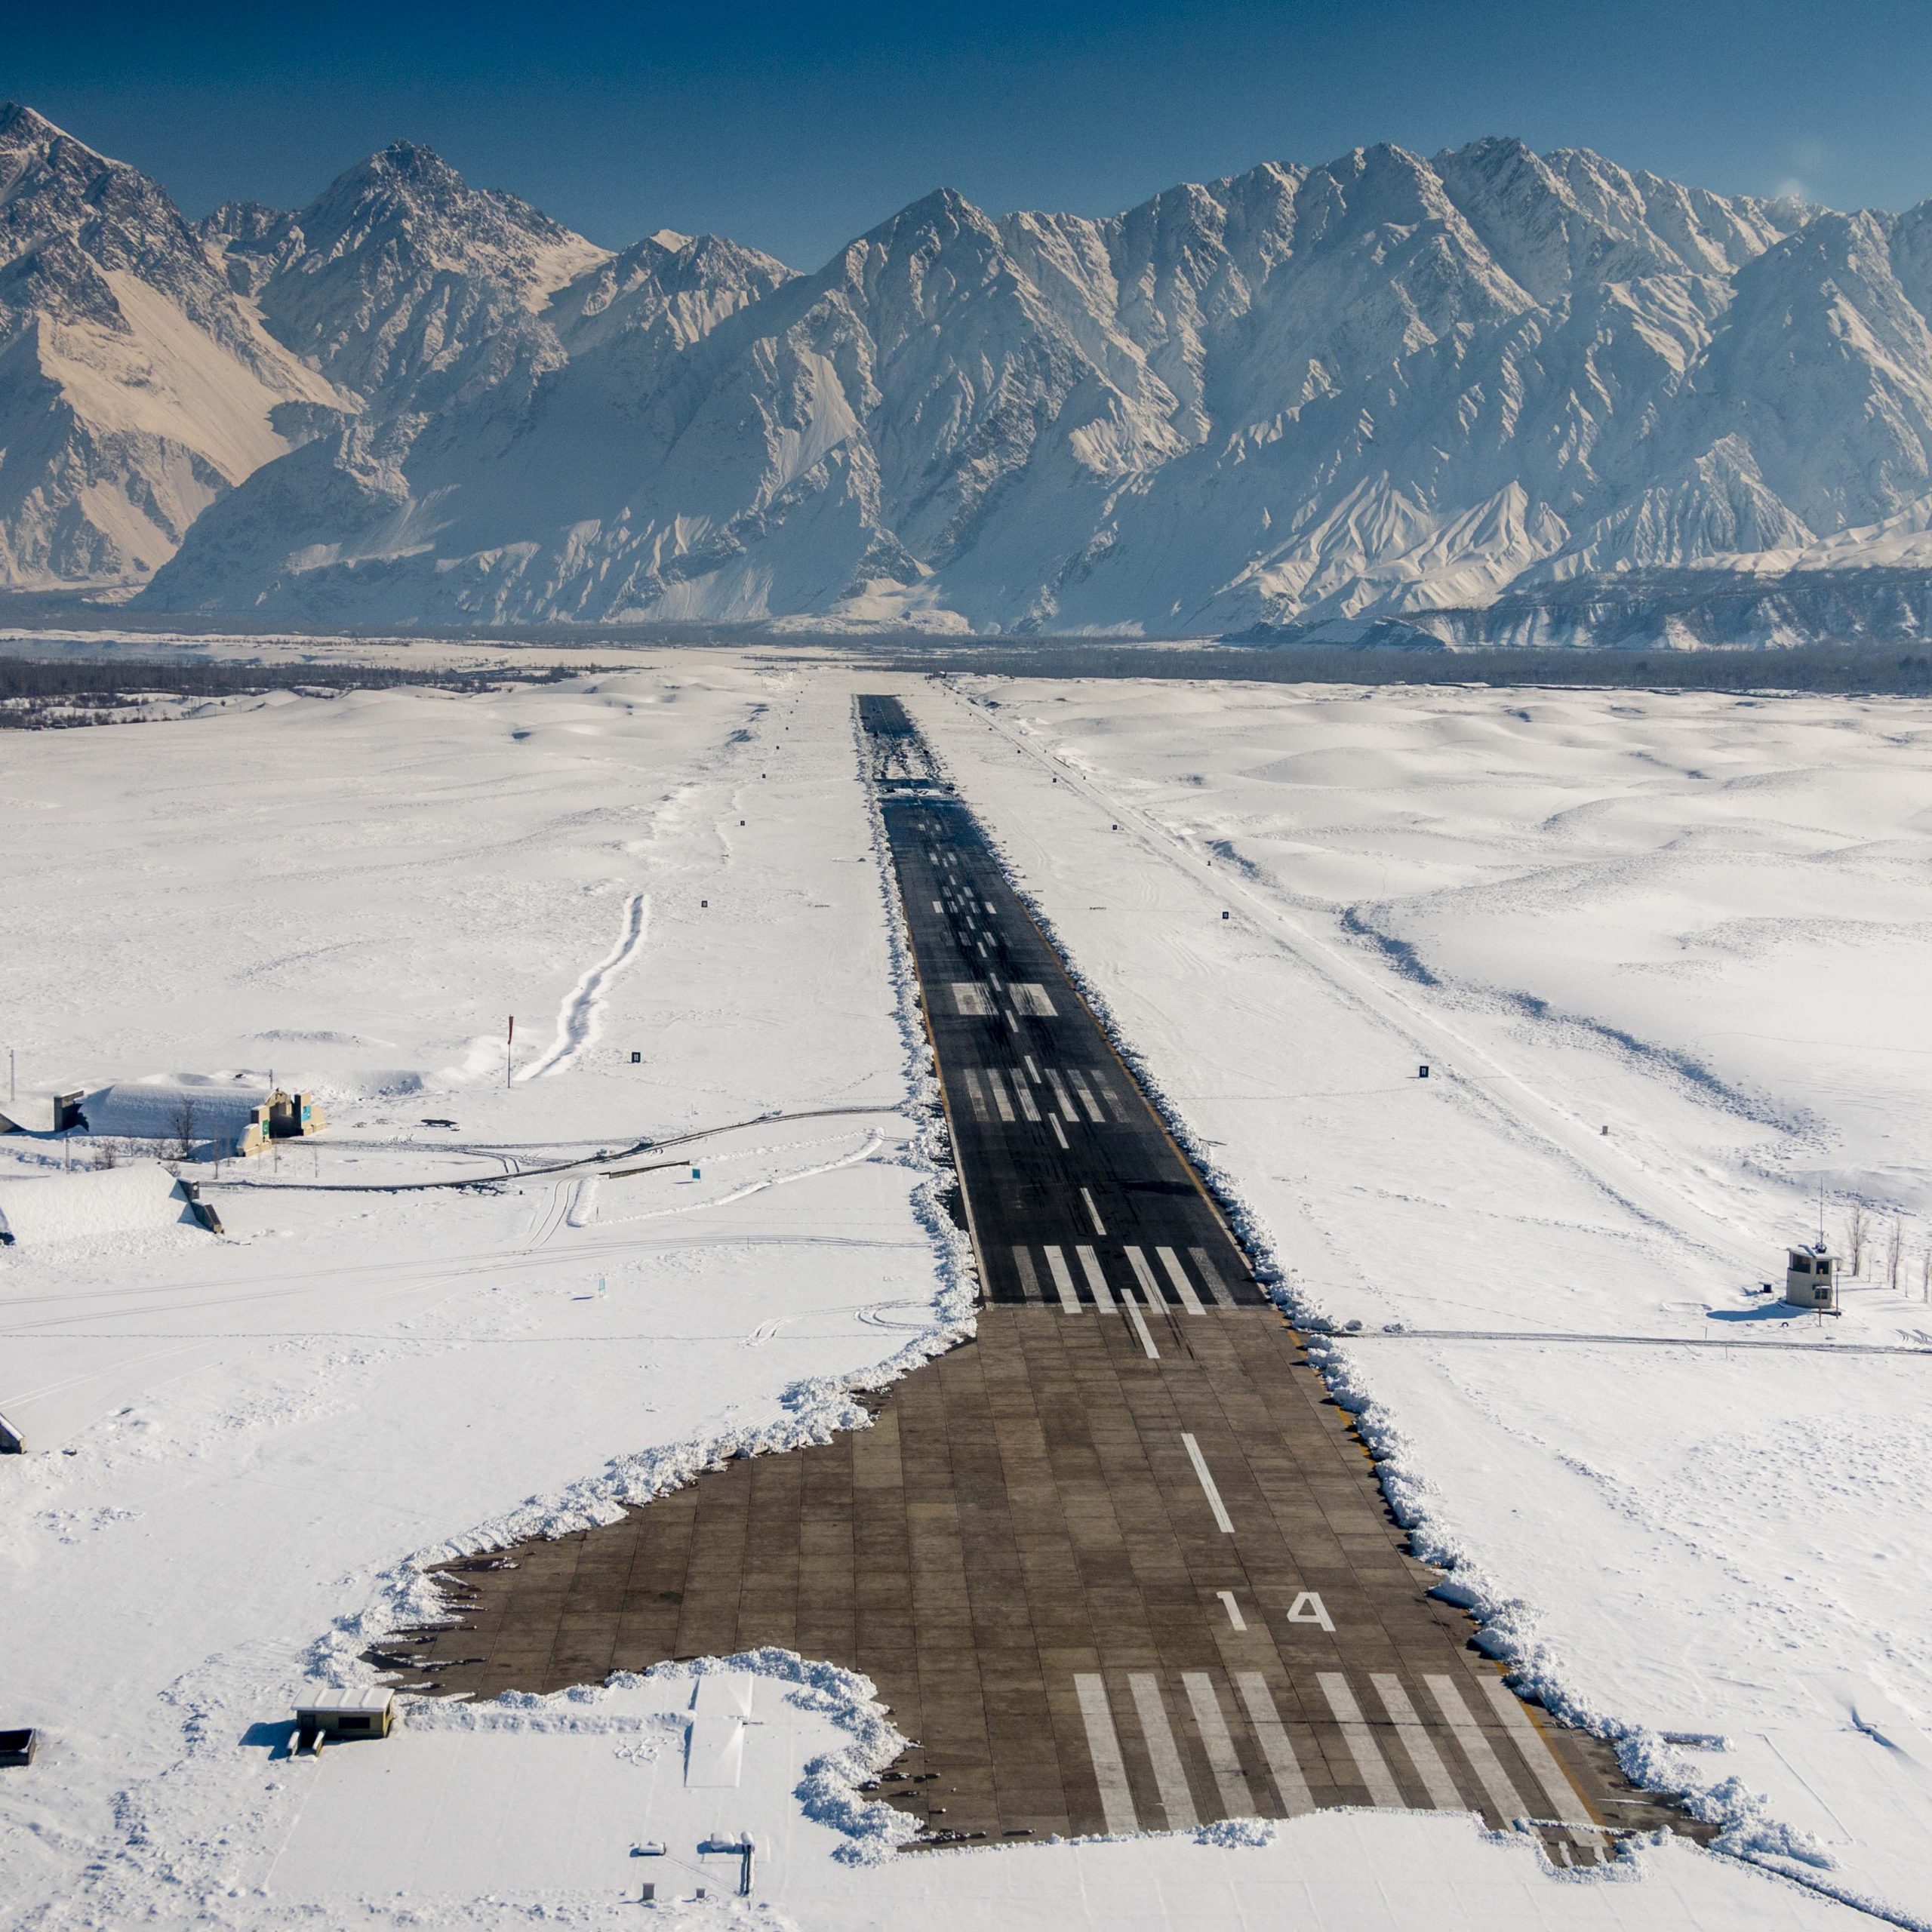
(1308, 397)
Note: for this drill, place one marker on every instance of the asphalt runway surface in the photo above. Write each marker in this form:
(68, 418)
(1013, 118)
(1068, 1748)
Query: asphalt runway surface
(1120, 1563)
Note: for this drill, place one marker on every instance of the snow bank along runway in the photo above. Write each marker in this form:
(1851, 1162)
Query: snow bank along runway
(1119, 1564)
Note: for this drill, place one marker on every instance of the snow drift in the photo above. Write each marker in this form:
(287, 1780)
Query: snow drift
(129, 1200)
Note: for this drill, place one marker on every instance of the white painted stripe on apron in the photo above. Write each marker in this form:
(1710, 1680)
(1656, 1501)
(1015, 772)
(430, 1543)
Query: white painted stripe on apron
(1000, 1100)
(1488, 1767)
(1374, 1773)
(1060, 1094)
(1096, 1282)
(1069, 1298)
(1170, 1774)
(1567, 1805)
(1149, 1287)
(1103, 1748)
(1183, 1287)
(1265, 1721)
(1029, 1282)
(977, 1094)
(1420, 1746)
(1230, 1780)
(1211, 1275)
(1086, 1093)
(1213, 1495)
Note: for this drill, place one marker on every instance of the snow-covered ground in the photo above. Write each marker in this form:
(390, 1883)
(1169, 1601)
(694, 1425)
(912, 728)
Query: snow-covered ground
(1700, 922)
(240, 1450)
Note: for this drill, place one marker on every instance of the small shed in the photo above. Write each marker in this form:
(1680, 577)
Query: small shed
(360, 1711)
(1811, 1279)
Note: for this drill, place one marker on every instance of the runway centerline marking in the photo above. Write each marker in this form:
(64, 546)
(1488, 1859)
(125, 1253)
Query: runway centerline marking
(1201, 1469)
(1093, 1213)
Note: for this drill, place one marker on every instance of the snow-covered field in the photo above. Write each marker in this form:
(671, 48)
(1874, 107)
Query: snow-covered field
(1701, 923)
(238, 1451)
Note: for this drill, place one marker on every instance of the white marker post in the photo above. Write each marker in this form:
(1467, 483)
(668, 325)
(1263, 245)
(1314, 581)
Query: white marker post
(509, 1049)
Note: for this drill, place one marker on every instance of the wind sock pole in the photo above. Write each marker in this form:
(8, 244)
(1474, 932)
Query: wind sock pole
(509, 1047)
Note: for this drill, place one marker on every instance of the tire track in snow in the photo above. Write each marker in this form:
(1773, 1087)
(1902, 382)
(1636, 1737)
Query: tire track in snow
(579, 1018)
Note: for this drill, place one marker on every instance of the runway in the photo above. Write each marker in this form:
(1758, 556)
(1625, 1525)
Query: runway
(1120, 1563)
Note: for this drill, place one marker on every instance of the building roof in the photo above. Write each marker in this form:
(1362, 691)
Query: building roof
(355, 1697)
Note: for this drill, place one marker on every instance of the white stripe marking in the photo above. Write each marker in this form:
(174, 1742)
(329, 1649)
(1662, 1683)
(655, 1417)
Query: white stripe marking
(1065, 1099)
(1225, 1521)
(1033, 1071)
(1169, 1777)
(1271, 1735)
(1059, 1134)
(969, 997)
(1029, 1282)
(1096, 1282)
(1150, 1289)
(1230, 1781)
(1183, 1287)
(1108, 1094)
(1024, 1095)
(1069, 1298)
(1000, 1100)
(1374, 1773)
(1133, 1314)
(1234, 1609)
(1103, 1748)
(1086, 1093)
(977, 1094)
(1565, 1803)
(1211, 1275)
(1093, 1214)
(1420, 1746)
(938, 908)
(1488, 1767)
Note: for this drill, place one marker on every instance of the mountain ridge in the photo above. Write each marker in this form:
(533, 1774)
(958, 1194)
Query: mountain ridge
(1383, 386)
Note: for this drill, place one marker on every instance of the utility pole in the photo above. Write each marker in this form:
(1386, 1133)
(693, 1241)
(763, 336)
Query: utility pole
(509, 1048)
(11, 1095)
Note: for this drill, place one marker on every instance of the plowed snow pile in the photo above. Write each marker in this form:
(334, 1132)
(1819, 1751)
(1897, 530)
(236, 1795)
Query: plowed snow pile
(35, 1209)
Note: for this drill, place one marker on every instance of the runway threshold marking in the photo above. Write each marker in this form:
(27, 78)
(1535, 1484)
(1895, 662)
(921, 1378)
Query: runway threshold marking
(1103, 1749)
(1264, 1721)
(1096, 1281)
(1201, 1469)
(1483, 1760)
(1093, 1213)
(1211, 1724)
(1369, 1764)
(1170, 1775)
(1417, 1741)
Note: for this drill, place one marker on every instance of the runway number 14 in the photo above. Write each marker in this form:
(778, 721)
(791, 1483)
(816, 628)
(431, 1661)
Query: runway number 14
(1309, 1608)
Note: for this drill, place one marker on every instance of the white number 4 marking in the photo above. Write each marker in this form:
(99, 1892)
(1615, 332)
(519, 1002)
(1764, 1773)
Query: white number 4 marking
(1307, 1608)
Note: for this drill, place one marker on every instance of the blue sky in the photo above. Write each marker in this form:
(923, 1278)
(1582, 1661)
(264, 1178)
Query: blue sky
(796, 127)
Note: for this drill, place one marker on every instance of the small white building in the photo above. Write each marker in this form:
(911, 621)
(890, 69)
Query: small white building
(362, 1710)
(1811, 1279)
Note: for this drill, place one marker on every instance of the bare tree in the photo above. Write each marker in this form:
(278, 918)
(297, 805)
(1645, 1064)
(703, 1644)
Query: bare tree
(106, 1153)
(1925, 1272)
(185, 1120)
(1895, 1254)
(1857, 1232)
